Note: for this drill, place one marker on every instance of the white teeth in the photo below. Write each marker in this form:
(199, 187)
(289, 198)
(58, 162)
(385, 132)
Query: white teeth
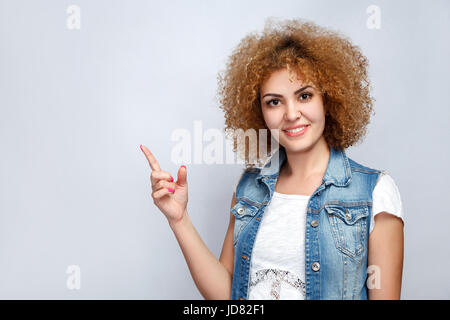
(296, 130)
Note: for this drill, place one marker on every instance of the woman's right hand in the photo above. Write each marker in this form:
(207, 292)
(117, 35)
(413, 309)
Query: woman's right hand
(171, 202)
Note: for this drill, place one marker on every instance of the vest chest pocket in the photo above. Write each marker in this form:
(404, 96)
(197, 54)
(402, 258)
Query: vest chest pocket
(243, 213)
(348, 226)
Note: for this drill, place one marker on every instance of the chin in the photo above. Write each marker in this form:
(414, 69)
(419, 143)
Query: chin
(297, 146)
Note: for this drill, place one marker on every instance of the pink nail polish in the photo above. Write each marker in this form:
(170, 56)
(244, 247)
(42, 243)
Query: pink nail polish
(171, 179)
(171, 190)
(141, 148)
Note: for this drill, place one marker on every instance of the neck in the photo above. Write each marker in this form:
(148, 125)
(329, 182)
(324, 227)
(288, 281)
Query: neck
(307, 163)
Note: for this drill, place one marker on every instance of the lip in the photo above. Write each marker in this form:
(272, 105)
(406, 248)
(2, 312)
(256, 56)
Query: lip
(297, 126)
(296, 134)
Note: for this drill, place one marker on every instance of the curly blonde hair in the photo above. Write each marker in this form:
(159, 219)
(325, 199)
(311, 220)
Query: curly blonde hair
(323, 57)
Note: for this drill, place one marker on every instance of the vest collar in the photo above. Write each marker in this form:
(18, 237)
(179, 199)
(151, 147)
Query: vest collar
(338, 170)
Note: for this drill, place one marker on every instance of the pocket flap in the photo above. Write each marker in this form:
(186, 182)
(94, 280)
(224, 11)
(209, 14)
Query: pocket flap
(242, 208)
(348, 214)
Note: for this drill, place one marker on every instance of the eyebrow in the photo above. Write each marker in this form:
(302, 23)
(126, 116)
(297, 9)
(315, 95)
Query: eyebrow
(279, 95)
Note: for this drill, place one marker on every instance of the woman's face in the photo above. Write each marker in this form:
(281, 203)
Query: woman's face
(288, 102)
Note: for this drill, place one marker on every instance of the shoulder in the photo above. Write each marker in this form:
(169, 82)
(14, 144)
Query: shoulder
(250, 172)
(386, 183)
(247, 177)
(358, 167)
(365, 174)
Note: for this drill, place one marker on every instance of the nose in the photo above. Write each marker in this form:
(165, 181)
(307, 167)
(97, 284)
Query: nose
(292, 112)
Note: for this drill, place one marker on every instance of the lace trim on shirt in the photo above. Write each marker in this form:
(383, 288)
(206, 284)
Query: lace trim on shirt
(278, 276)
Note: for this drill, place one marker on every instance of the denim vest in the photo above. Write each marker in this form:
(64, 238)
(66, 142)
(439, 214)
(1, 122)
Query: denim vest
(337, 226)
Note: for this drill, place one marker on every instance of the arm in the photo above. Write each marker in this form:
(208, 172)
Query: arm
(227, 255)
(212, 277)
(386, 253)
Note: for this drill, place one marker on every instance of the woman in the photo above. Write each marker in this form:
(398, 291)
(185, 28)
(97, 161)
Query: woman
(315, 224)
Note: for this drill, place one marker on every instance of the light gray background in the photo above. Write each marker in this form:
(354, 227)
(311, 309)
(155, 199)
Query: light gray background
(76, 104)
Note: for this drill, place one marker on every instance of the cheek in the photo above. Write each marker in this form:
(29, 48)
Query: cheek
(317, 113)
(271, 118)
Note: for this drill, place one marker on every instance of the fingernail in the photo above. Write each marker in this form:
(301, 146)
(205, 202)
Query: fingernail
(171, 179)
(141, 148)
(171, 190)
(184, 166)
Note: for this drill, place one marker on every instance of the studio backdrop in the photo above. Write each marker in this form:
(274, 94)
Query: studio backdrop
(84, 83)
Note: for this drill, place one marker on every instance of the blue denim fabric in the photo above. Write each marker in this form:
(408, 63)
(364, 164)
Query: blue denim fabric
(337, 226)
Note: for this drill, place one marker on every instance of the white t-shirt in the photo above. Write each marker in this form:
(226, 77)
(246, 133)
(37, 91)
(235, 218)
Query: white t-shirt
(277, 269)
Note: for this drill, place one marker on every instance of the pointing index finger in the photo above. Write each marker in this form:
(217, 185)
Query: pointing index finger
(151, 159)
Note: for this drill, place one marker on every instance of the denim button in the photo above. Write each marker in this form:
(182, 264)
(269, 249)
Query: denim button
(240, 210)
(315, 266)
(315, 223)
(348, 216)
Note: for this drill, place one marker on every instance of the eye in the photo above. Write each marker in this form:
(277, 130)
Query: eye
(270, 101)
(307, 94)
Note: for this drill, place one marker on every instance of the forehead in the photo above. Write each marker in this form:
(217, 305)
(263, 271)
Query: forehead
(282, 80)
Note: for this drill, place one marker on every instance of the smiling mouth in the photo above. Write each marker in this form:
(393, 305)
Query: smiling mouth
(296, 129)
(296, 132)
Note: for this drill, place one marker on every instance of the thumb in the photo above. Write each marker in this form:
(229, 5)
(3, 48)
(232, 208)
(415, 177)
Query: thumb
(182, 173)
